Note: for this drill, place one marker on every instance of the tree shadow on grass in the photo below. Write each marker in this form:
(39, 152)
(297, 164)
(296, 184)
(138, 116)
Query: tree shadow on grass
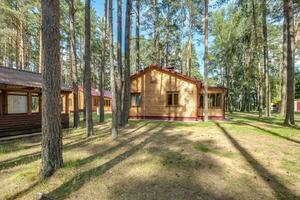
(267, 120)
(86, 160)
(268, 131)
(75, 183)
(80, 142)
(279, 189)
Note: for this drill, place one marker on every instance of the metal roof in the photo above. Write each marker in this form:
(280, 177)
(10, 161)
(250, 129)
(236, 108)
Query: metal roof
(10, 76)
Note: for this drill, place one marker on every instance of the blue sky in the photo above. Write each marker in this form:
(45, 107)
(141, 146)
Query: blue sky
(98, 5)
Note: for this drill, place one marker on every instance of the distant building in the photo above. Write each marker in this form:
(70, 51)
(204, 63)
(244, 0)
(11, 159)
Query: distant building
(162, 93)
(21, 100)
(95, 100)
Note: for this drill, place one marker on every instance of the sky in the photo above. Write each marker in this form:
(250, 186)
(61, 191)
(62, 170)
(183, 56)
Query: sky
(98, 5)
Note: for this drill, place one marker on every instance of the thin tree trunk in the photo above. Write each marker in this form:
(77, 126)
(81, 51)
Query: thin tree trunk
(156, 32)
(73, 59)
(114, 128)
(40, 52)
(206, 63)
(51, 110)
(137, 31)
(288, 9)
(189, 48)
(87, 70)
(284, 69)
(127, 64)
(257, 61)
(120, 63)
(103, 61)
(266, 61)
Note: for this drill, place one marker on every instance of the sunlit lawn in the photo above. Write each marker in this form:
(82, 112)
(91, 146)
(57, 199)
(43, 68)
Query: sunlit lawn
(242, 158)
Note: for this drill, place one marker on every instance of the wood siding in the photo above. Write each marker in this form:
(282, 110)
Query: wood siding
(154, 87)
(16, 124)
(81, 102)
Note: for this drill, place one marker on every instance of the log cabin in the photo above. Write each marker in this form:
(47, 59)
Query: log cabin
(20, 102)
(95, 100)
(163, 93)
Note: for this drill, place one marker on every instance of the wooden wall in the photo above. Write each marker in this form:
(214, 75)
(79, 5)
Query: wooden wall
(81, 102)
(154, 86)
(214, 112)
(16, 124)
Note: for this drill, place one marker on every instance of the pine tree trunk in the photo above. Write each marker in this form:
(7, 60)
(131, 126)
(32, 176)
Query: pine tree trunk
(189, 49)
(114, 128)
(73, 60)
(40, 52)
(206, 63)
(257, 60)
(288, 9)
(120, 63)
(87, 70)
(156, 32)
(266, 61)
(284, 69)
(126, 103)
(137, 31)
(103, 61)
(51, 110)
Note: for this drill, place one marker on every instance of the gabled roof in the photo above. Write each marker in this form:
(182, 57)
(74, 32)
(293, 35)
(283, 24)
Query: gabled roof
(10, 76)
(167, 71)
(97, 93)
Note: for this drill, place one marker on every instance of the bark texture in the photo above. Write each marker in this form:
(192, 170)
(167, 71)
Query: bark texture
(120, 63)
(114, 128)
(206, 63)
(288, 9)
(126, 103)
(103, 61)
(266, 61)
(51, 106)
(87, 71)
(137, 34)
(73, 59)
(284, 69)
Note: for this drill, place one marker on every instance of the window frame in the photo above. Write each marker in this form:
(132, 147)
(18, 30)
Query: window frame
(172, 93)
(135, 94)
(19, 94)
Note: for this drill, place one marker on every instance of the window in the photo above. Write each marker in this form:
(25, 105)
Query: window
(219, 101)
(95, 102)
(17, 103)
(173, 98)
(135, 99)
(70, 102)
(214, 101)
(107, 103)
(201, 101)
(35, 103)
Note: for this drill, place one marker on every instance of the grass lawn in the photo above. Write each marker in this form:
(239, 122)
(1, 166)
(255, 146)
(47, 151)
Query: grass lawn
(243, 158)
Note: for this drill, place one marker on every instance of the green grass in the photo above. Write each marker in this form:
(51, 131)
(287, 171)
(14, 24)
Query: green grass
(242, 158)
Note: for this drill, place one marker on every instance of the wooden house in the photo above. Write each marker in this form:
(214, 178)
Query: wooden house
(95, 100)
(162, 93)
(20, 102)
(297, 105)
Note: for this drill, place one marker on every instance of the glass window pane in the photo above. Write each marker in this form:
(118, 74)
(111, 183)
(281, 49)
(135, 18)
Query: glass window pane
(169, 99)
(35, 104)
(201, 101)
(218, 100)
(175, 99)
(138, 100)
(133, 99)
(17, 104)
(212, 100)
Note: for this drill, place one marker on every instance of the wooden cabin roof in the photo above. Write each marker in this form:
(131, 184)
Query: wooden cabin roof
(167, 71)
(15, 77)
(174, 73)
(96, 92)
